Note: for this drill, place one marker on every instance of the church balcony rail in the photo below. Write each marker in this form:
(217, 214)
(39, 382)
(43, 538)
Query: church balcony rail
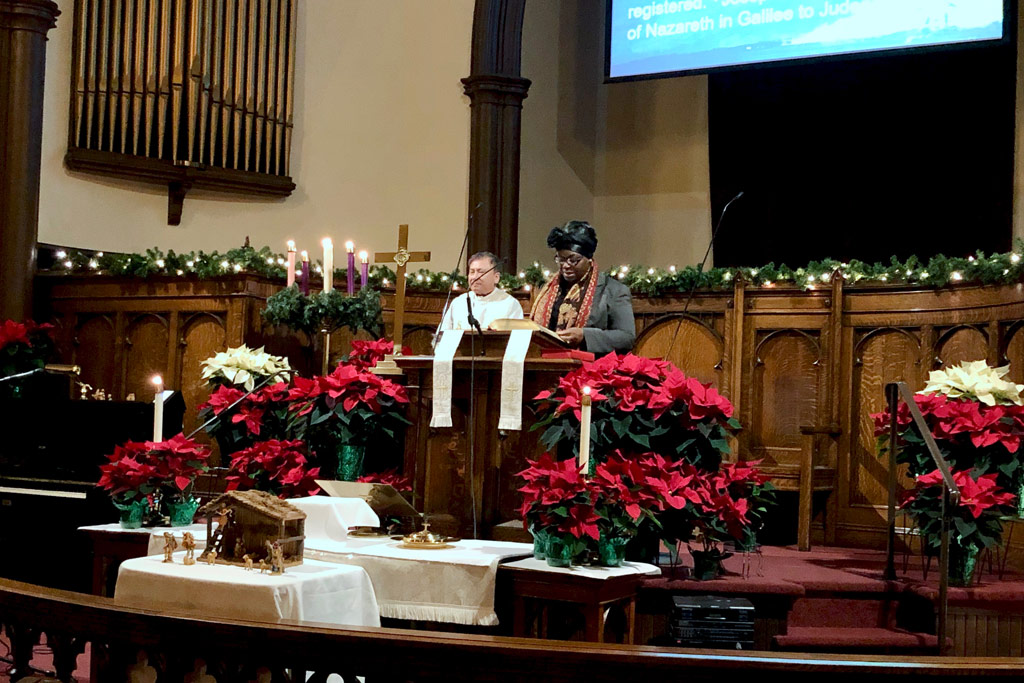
(133, 644)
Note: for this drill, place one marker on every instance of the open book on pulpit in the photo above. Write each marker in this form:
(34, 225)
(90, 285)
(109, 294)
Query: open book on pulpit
(543, 337)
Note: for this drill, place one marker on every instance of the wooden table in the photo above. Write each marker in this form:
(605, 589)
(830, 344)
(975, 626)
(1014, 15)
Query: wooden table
(536, 590)
(112, 545)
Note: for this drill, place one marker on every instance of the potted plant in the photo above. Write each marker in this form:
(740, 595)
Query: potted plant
(23, 347)
(675, 429)
(264, 415)
(144, 475)
(274, 466)
(977, 419)
(558, 509)
(348, 410)
(976, 519)
(243, 367)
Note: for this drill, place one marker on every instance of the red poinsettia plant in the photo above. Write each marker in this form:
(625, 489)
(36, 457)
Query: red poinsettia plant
(976, 519)
(275, 466)
(23, 346)
(264, 415)
(391, 478)
(639, 405)
(558, 501)
(366, 354)
(977, 420)
(138, 470)
(351, 404)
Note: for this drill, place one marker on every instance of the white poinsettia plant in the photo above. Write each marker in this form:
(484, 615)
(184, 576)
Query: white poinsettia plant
(243, 367)
(975, 380)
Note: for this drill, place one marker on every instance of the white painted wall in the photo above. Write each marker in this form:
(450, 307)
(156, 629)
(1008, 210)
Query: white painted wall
(381, 138)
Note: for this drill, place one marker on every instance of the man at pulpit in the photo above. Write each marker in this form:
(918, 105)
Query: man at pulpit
(488, 301)
(583, 306)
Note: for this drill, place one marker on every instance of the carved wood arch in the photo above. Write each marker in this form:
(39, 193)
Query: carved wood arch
(1008, 334)
(778, 333)
(949, 333)
(672, 317)
(858, 360)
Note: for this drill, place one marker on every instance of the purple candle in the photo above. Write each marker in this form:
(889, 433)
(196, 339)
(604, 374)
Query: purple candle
(364, 274)
(304, 283)
(350, 248)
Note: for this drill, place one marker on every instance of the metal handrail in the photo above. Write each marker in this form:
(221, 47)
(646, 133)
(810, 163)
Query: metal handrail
(894, 392)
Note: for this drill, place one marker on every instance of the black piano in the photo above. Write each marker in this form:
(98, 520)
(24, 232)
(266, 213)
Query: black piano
(51, 448)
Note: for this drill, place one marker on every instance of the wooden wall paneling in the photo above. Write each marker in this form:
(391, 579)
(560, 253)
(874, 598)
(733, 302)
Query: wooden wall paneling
(785, 393)
(1012, 349)
(734, 345)
(202, 335)
(698, 349)
(146, 341)
(828, 447)
(959, 343)
(879, 355)
(93, 344)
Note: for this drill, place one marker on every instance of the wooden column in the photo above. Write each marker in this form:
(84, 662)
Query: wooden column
(496, 92)
(23, 28)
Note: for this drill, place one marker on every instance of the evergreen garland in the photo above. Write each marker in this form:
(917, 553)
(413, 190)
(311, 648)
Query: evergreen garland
(937, 271)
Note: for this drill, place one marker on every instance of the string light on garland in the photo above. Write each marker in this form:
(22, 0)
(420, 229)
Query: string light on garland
(1014, 258)
(955, 276)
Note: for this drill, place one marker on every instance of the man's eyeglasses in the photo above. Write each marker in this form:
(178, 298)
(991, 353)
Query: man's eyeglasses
(573, 260)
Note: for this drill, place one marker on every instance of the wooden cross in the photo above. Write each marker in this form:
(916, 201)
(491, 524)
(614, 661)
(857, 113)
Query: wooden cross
(401, 257)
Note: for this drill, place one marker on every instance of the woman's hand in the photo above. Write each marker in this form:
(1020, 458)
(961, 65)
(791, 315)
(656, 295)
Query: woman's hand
(573, 336)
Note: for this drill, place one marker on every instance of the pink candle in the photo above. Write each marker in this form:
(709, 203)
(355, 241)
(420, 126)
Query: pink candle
(351, 270)
(291, 263)
(364, 274)
(305, 273)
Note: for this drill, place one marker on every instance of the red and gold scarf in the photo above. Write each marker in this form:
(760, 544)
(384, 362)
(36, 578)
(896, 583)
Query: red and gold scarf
(575, 307)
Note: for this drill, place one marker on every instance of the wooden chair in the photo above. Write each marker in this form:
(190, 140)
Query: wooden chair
(812, 478)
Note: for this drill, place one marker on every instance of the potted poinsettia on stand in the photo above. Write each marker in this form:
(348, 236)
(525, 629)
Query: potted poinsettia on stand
(977, 419)
(348, 410)
(154, 475)
(558, 509)
(647, 410)
(264, 415)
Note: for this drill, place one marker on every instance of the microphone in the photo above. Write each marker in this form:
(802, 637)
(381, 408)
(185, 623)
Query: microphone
(465, 241)
(472, 319)
(700, 269)
(61, 369)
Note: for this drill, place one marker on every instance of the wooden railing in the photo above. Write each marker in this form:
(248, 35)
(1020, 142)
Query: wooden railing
(176, 646)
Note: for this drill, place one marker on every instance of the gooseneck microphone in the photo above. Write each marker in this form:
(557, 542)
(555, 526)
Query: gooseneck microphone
(700, 269)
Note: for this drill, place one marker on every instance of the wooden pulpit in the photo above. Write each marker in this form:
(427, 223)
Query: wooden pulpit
(449, 479)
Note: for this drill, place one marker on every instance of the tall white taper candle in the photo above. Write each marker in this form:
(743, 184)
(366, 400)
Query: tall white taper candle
(158, 408)
(291, 263)
(585, 431)
(328, 264)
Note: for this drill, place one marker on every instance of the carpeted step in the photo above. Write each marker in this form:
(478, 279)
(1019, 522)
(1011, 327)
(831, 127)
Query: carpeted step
(860, 640)
(841, 612)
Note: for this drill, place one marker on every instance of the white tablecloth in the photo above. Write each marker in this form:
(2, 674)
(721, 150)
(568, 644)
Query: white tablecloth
(589, 572)
(330, 518)
(454, 585)
(313, 591)
(156, 534)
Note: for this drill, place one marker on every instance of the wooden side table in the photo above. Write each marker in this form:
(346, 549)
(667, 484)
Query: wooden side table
(534, 589)
(112, 545)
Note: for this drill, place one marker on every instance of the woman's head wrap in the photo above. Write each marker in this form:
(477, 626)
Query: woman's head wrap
(577, 236)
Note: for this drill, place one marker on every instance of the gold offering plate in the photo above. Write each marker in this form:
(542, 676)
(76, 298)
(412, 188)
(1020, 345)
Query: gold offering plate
(426, 546)
(366, 532)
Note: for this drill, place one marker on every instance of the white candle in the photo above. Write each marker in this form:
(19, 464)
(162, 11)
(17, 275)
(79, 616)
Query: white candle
(291, 263)
(158, 408)
(328, 264)
(585, 431)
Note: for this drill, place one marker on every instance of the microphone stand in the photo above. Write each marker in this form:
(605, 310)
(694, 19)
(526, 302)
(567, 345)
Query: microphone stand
(696, 279)
(465, 241)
